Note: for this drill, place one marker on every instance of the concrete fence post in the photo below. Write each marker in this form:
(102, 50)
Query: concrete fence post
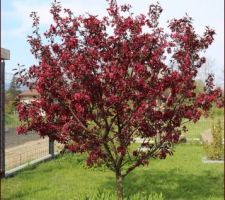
(51, 148)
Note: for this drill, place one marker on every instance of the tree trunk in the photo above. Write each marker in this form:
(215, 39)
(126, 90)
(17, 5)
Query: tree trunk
(119, 187)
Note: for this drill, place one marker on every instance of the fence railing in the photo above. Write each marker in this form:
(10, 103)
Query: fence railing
(22, 150)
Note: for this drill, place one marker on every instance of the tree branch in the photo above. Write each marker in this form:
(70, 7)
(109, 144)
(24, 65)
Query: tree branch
(138, 162)
(78, 120)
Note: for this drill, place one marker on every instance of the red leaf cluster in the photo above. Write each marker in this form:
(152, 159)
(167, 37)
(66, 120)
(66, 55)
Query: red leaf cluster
(105, 81)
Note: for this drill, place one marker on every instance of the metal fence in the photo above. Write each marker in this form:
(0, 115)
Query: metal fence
(21, 150)
(17, 151)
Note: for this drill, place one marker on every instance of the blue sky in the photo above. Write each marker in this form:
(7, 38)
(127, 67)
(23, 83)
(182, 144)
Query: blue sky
(16, 24)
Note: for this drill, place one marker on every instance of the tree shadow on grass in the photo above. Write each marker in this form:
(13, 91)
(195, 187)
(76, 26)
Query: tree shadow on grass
(172, 184)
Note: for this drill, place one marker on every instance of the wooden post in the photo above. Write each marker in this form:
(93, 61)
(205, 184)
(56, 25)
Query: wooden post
(2, 120)
(5, 55)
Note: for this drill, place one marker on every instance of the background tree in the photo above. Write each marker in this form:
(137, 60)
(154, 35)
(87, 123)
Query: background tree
(11, 95)
(105, 81)
(203, 73)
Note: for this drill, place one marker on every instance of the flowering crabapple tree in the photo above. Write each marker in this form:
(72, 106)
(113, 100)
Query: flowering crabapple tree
(103, 82)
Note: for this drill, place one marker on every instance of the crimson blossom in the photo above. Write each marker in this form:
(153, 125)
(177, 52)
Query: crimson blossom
(105, 81)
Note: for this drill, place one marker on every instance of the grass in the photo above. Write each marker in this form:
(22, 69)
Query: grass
(179, 177)
(195, 130)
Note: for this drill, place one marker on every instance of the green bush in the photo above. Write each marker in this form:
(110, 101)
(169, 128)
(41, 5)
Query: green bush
(110, 196)
(11, 120)
(214, 150)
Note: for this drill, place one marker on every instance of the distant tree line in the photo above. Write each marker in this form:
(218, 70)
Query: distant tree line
(11, 96)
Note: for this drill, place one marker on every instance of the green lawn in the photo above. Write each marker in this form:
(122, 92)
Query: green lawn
(180, 177)
(196, 129)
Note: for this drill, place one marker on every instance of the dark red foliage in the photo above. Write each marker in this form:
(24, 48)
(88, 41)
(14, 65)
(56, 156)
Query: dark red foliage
(105, 81)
